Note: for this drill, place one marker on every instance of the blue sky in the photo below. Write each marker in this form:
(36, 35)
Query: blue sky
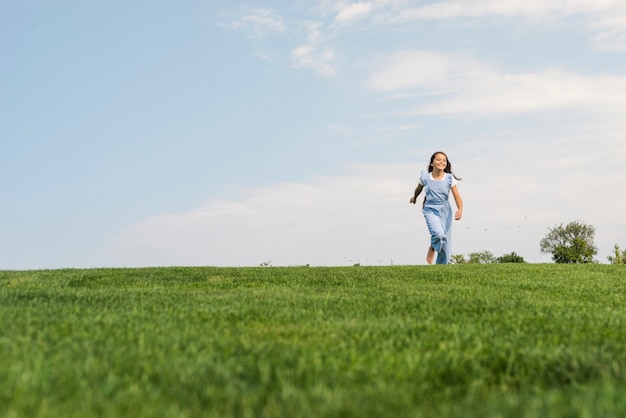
(293, 132)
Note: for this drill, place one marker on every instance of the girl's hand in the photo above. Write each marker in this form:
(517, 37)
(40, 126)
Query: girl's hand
(412, 200)
(458, 214)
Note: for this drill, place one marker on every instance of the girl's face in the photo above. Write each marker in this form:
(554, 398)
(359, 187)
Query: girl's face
(440, 162)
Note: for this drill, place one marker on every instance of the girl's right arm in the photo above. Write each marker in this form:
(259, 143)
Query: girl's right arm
(417, 192)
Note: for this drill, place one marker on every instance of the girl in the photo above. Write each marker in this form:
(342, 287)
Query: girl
(437, 183)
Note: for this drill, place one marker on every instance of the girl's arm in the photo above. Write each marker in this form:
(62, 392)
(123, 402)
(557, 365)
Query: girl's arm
(417, 192)
(459, 203)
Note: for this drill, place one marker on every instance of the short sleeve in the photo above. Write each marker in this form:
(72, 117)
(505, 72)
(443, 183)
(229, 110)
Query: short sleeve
(423, 177)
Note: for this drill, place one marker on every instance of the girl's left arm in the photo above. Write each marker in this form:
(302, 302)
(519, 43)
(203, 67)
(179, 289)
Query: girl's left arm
(459, 203)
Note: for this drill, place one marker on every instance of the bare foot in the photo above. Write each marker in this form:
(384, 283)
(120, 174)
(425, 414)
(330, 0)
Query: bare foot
(430, 256)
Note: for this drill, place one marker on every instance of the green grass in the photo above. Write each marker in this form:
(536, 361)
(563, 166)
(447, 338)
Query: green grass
(462, 340)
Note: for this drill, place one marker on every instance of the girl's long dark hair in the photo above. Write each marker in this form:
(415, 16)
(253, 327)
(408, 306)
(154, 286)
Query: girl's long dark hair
(448, 168)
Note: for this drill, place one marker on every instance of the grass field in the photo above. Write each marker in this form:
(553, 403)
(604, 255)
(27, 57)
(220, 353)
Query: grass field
(500, 340)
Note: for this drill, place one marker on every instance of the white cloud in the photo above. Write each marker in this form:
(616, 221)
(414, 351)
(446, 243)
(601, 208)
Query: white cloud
(330, 221)
(420, 69)
(609, 31)
(314, 54)
(255, 22)
(463, 86)
(341, 129)
(604, 19)
(531, 9)
(353, 11)
(483, 8)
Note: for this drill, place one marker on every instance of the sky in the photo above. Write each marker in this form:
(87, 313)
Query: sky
(290, 132)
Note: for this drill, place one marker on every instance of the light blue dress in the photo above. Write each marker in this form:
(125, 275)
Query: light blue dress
(438, 213)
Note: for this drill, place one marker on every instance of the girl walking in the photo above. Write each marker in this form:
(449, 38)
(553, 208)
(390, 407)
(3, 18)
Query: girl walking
(437, 184)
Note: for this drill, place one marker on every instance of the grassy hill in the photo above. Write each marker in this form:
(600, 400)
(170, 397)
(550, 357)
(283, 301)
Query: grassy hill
(501, 340)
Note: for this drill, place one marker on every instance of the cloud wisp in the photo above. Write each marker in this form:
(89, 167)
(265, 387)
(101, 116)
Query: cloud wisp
(315, 54)
(353, 11)
(254, 22)
(603, 20)
(458, 85)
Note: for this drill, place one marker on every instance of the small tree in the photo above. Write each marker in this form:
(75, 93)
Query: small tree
(618, 257)
(457, 259)
(572, 243)
(510, 258)
(481, 257)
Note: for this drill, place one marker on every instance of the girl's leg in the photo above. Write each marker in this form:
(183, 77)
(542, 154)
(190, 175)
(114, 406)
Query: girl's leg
(430, 255)
(446, 250)
(442, 257)
(437, 233)
(439, 221)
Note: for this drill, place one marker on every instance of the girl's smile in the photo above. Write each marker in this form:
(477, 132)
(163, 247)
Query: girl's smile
(440, 162)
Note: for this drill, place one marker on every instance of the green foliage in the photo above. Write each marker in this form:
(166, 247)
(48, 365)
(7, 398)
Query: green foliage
(479, 257)
(513, 257)
(457, 259)
(497, 340)
(570, 244)
(618, 257)
(486, 257)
